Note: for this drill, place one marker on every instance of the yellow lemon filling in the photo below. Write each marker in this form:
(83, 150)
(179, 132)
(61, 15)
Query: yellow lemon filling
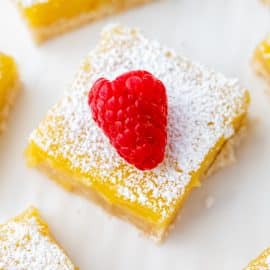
(74, 180)
(8, 85)
(44, 13)
(262, 57)
(8, 77)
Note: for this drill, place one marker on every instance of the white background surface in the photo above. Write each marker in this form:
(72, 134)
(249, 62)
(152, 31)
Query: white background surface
(218, 33)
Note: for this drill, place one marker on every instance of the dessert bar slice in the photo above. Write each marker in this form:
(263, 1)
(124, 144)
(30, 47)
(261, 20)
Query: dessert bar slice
(9, 86)
(49, 18)
(205, 110)
(260, 263)
(26, 243)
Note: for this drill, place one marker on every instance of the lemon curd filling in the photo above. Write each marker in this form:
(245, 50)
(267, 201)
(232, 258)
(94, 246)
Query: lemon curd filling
(205, 110)
(262, 58)
(8, 85)
(47, 12)
(27, 243)
(74, 180)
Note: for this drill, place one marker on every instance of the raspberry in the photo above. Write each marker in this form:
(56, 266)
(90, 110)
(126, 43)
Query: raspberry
(132, 112)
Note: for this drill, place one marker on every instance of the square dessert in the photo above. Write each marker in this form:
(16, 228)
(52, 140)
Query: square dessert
(9, 87)
(205, 110)
(49, 18)
(26, 243)
(260, 263)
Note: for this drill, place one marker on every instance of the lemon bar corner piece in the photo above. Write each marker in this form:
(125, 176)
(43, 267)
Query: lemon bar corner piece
(26, 243)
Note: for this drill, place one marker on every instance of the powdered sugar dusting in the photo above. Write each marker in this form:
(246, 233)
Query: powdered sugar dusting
(202, 106)
(24, 246)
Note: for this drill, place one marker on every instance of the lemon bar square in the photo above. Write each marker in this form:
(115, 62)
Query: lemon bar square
(9, 87)
(49, 18)
(26, 243)
(260, 263)
(205, 110)
(261, 59)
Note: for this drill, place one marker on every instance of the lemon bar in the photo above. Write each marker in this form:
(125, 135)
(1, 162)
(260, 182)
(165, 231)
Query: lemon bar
(205, 110)
(26, 243)
(49, 18)
(260, 263)
(9, 86)
(261, 59)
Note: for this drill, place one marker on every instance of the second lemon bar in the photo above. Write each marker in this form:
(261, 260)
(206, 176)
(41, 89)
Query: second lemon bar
(27, 243)
(48, 18)
(205, 110)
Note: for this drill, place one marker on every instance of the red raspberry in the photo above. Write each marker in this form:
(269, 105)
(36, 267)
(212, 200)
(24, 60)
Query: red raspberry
(132, 112)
